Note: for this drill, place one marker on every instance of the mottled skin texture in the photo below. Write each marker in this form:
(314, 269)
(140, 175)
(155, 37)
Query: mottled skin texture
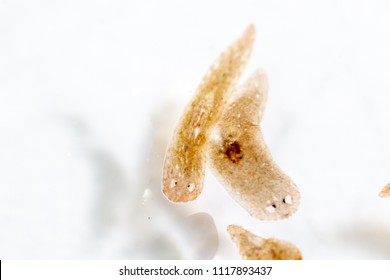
(253, 247)
(184, 165)
(385, 191)
(240, 159)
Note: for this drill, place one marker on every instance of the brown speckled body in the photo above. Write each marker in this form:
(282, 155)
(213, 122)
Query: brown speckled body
(240, 159)
(184, 164)
(253, 247)
(385, 192)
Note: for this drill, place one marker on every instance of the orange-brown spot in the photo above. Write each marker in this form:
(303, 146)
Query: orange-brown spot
(233, 151)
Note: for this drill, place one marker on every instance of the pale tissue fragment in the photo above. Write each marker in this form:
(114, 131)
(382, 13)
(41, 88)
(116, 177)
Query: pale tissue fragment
(184, 164)
(253, 247)
(385, 192)
(240, 159)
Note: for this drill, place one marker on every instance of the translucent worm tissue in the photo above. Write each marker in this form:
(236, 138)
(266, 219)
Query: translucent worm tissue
(240, 159)
(184, 164)
(253, 247)
(385, 192)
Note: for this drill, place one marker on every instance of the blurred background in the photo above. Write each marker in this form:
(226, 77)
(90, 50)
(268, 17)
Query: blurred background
(90, 92)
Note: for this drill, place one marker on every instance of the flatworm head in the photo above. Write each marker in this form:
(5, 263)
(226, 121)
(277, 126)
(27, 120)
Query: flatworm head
(240, 159)
(184, 164)
(253, 247)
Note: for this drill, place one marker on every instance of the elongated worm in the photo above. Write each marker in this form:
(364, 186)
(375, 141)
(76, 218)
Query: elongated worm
(184, 164)
(253, 247)
(240, 159)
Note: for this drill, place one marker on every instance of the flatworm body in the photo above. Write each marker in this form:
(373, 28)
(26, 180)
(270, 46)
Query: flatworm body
(253, 247)
(240, 159)
(385, 191)
(184, 164)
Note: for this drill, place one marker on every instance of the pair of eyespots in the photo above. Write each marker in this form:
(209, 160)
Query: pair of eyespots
(190, 187)
(272, 207)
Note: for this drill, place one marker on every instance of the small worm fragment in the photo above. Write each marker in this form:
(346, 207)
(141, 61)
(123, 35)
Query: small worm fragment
(253, 247)
(385, 192)
(239, 158)
(184, 164)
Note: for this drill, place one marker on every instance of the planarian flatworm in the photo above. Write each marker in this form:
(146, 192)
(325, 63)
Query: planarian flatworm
(253, 247)
(240, 159)
(184, 164)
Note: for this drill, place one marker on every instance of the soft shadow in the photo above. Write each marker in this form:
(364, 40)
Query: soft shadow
(373, 238)
(200, 232)
(192, 237)
(131, 218)
(113, 195)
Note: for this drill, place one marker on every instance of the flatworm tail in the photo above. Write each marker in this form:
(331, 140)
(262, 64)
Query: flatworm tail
(385, 192)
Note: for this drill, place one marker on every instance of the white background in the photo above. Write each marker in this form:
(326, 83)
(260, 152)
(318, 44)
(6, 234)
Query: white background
(90, 92)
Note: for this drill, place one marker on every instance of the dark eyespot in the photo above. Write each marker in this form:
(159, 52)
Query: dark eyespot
(273, 205)
(287, 199)
(173, 184)
(191, 187)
